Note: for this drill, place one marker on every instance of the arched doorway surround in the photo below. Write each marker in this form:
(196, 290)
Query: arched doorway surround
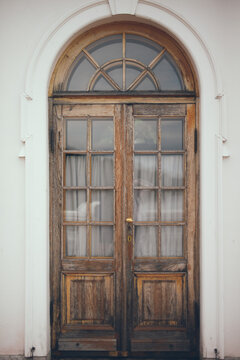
(34, 106)
(124, 165)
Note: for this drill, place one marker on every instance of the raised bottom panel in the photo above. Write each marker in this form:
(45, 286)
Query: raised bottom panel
(159, 345)
(87, 344)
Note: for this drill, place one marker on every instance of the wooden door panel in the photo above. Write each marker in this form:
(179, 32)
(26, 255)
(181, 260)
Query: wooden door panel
(160, 301)
(88, 300)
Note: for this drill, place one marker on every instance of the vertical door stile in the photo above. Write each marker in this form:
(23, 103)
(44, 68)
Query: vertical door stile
(119, 211)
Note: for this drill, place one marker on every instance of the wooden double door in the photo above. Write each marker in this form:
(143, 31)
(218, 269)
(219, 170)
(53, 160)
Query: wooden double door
(123, 209)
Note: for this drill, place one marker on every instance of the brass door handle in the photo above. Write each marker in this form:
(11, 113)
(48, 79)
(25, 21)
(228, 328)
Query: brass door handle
(129, 220)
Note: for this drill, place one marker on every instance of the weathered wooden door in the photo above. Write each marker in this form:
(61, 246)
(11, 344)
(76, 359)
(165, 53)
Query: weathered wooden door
(123, 230)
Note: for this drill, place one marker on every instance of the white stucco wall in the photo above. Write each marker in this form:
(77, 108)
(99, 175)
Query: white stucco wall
(23, 23)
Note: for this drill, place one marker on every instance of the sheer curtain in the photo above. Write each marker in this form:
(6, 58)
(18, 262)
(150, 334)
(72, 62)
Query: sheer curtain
(101, 205)
(145, 205)
(76, 205)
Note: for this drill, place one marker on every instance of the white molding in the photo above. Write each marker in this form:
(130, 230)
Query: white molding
(123, 6)
(35, 134)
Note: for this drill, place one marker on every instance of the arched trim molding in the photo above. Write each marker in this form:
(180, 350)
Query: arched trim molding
(34, 135)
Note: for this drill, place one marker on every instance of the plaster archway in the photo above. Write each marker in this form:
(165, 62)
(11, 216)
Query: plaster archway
(35, 137)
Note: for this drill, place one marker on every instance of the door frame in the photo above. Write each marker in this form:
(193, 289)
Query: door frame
(131, 100)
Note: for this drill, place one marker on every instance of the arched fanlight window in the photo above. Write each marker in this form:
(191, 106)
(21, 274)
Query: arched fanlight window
(124, 62)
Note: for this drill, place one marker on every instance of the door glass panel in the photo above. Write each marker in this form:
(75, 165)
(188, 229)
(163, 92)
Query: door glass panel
(141, 49)
(102, 135)
(172, 134)
(80, 75)
(76, 244)
(145, 134)
(172, 241)
(145, 241)
(102, 170)
(102, 241)
(75, 170)
(102, 205)
(116, 73)
(146, 84)
(172, 205)
(75, 205)
(106, 49)
(145, 170)
(145, 205)
(76, 134)
(168, 74)
(172, 170)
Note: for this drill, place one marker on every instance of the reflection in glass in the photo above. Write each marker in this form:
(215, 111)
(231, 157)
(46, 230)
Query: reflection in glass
(75, 170)
(102, 135)
(145, 134)
(145, 241)
(172, 170)
(75, 205)
(116, 73)
(145, 205)
(76, 134)
(145, 170)
(102, 170)
(141, 49)
(146, 84)
(172, 134)
(132, 73)
(102, 205)
(81, 75)
(76, 240)
(168, 74)
(172, 205)
(102, 241)
(106, 49)
(172, 241)
(102, 84)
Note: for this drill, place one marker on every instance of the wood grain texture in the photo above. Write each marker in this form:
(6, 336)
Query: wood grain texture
(122, 304)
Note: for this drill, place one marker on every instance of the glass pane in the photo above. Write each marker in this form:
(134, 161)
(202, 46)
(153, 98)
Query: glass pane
(141, 49)
(168, 74)
(102, 170)
(76, 240)
(106, 49)
(81, 75)
(145, 134)
(116, 73)
(102, 205)
(132, 73)
(172, 134)
(145, 205)
(102, 241)
(172, 205)
(75, 205)
(172, 170)
(145, 241)
(145, 170)
(102, 135)
(76, 134)
(102, 84)
(172, 241)
(146, 84)
(75, 170)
